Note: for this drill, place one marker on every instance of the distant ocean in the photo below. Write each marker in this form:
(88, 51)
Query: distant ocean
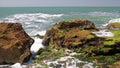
(37, 19)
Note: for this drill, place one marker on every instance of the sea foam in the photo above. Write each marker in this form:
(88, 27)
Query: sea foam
(37, 45)
(38, 42)
(33, 22)
(35, 17)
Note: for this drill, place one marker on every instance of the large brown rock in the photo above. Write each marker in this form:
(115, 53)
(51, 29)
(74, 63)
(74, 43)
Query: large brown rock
(69, 33)
(14, 43)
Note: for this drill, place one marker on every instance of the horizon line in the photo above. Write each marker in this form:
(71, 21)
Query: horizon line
(59, 6)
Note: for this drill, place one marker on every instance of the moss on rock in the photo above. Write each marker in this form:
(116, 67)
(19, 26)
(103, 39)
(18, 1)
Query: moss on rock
(69, 33)
(50, 53)
(76, 35)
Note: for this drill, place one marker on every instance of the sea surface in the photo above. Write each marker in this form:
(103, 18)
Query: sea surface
(37, 19)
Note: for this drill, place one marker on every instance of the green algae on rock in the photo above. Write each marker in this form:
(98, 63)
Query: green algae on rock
(68, 33)
(77, 36)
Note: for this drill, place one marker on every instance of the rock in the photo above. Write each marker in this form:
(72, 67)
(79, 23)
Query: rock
(115, 25)
(14, 43)
(115, 65)
(82, 24)
(68, 33)
(58, 66)
(77, 35)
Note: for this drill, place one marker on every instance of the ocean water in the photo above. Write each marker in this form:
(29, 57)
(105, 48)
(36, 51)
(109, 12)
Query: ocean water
(37, 19)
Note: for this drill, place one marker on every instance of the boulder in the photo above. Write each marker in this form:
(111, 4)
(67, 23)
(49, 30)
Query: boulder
(14, 43)
(69, 33)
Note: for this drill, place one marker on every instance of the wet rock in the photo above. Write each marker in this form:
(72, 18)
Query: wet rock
(80, 65)
(52, 65)
(58, 66)
(62, 62)
(14, 43)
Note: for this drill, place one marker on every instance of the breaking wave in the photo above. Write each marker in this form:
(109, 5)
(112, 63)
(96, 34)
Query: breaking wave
(112, 21)
(33, 23)
(36, 17)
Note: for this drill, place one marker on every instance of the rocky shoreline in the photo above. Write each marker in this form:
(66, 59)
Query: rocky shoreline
(79, 36)
(75, 44)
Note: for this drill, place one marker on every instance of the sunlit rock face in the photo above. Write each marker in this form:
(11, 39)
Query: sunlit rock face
(14, 43)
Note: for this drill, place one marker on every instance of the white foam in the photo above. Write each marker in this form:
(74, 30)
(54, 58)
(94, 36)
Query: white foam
(38, 42)
(104, 33)
(66, 61)
(89, 65)
(33, 22)
(74, 53)
(35, 17)
(16, 65)
(41, 33)
(36, 45)
(114, 20)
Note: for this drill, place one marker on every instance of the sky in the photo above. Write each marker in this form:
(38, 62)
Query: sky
(41, 3)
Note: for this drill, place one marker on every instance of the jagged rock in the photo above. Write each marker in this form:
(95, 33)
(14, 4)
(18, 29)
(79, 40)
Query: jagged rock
(14, 43)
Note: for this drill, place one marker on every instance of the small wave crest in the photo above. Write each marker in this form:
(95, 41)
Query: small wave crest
(100, 13)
